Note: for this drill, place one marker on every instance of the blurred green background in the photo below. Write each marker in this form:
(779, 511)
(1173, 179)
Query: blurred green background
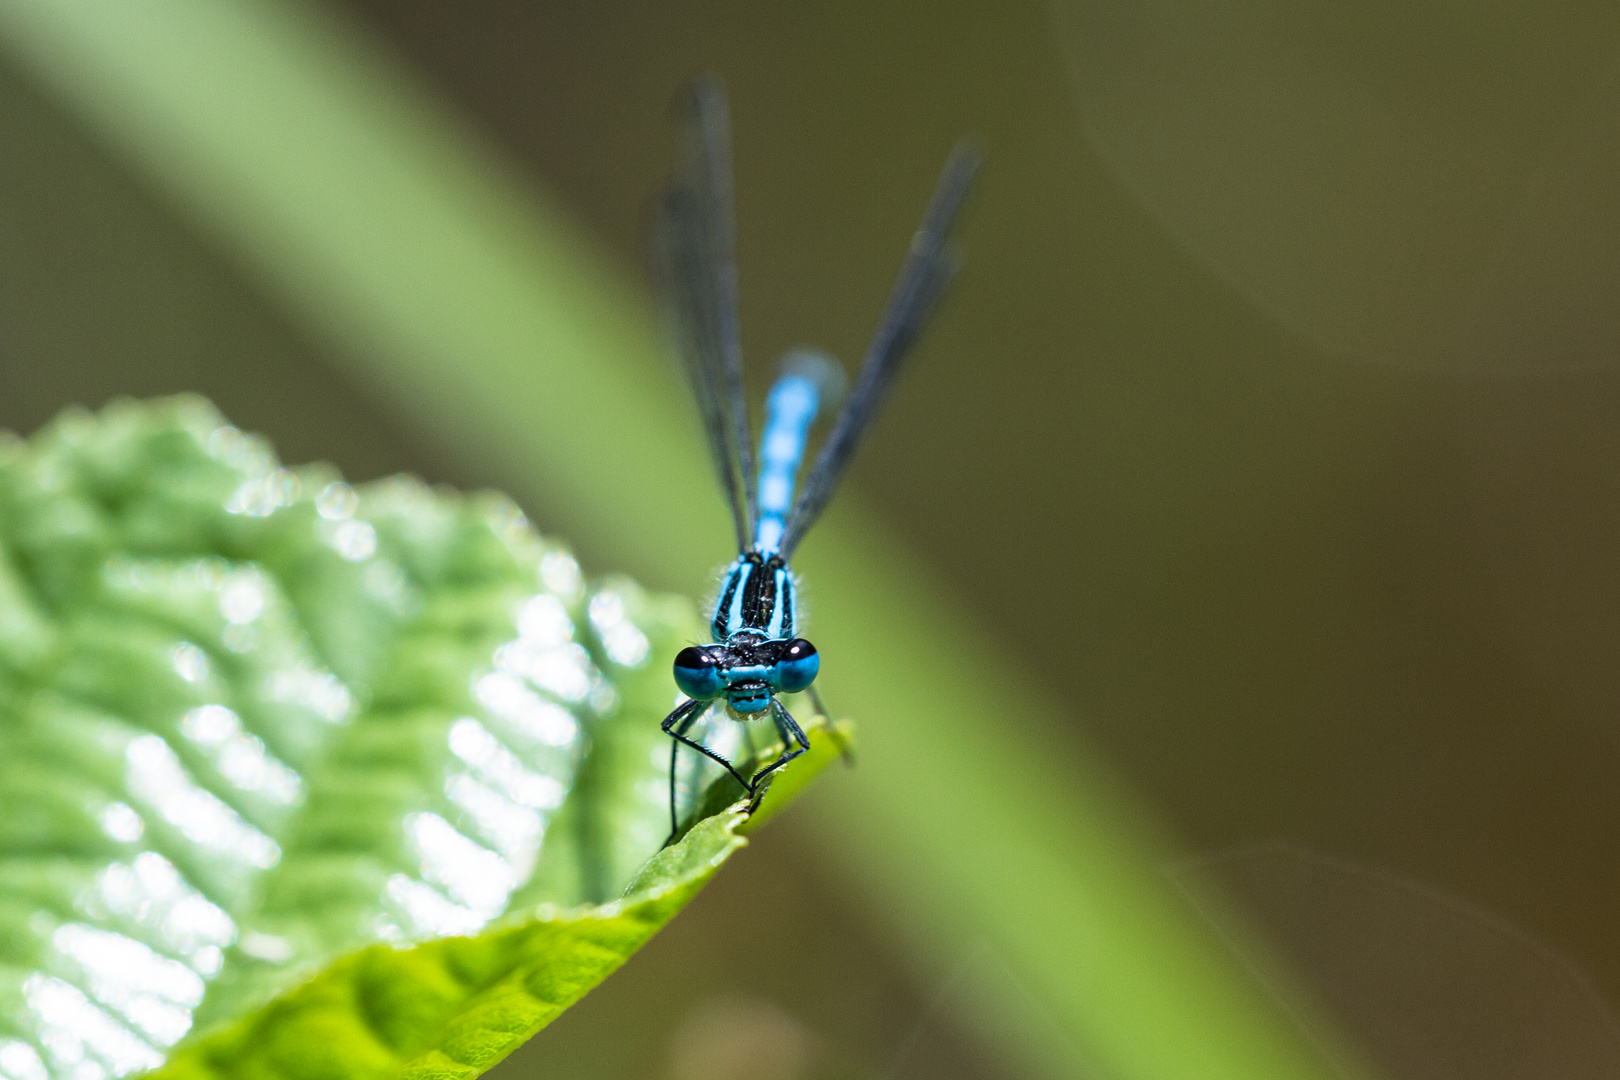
(1272, 430)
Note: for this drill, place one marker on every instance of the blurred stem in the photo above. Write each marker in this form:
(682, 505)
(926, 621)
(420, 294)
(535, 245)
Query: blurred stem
(454, 293)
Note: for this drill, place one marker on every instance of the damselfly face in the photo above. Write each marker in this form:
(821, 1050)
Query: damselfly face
(747, 670)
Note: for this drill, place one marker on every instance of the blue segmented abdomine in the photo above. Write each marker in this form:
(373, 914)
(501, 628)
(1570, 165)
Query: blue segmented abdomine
(790, 409)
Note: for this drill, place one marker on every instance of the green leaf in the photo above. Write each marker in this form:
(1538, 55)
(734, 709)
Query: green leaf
(306, 780)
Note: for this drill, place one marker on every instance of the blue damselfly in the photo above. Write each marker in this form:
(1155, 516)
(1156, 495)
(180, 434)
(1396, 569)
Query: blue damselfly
(756, 653)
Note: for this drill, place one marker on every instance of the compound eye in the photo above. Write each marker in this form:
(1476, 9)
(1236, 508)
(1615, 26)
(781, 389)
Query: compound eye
(697, 673)
(797, 668)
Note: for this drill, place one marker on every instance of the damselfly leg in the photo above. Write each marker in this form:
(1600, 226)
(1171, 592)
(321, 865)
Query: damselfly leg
(676, 725)
(794, 743)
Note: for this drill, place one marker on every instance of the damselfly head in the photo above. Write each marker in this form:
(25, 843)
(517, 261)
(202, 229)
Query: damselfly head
(748, 670)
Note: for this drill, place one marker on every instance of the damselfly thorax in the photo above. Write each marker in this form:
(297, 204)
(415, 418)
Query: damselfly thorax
(756, 595)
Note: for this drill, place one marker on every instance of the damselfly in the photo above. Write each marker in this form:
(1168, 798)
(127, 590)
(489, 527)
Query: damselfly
(757, 653)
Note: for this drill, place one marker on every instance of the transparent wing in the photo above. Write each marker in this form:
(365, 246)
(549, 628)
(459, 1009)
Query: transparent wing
(928, 268)
(695, 261)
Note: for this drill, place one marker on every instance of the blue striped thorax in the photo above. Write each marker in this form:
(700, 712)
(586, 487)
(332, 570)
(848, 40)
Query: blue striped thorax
(757, 595)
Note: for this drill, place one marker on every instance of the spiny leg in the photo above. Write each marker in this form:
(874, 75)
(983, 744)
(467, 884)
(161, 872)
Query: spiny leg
(794, 743)
(844, 749)
(685, 714)
(696, 708)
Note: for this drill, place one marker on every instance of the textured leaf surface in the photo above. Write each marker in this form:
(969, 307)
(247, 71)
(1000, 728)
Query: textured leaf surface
(299, 779)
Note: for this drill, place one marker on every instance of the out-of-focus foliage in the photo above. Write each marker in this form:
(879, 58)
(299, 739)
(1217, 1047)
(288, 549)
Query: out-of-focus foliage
(347, 779)
(1425, 185)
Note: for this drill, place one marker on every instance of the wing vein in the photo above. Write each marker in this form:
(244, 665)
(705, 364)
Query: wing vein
(694, 260)
(929, 266)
